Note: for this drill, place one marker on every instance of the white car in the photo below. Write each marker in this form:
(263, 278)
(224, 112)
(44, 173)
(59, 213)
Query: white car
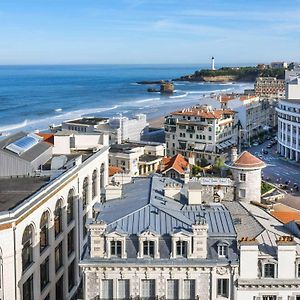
(255, 144)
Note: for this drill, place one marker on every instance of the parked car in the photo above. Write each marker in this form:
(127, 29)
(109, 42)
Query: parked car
(265, 152)
(255, 144)
(269, 146)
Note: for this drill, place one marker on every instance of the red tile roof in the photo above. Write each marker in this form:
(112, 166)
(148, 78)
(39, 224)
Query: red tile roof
(48, 137)
(112, 170)
(247, 160)
(177, 162)
(286, 216)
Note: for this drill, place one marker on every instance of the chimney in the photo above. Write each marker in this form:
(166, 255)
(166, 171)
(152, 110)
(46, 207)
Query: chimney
(234, 154)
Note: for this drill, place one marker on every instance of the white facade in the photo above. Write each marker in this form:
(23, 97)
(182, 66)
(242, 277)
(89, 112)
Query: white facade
(43, 263)
(289, 121)
(200, 131)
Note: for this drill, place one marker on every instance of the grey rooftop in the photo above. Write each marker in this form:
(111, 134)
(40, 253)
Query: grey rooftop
(87, 121)
(14, 190)
(144, 205)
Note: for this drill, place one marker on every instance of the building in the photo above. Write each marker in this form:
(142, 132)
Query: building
(145, 244)
(213, 68)
(255, 115)
(288, 111)
(137, 158)
(279, 65)
(174, 167)
(269, 87)
(118, 128)
(269, 265)
(22, 154)
(43, 216)
(200, 131)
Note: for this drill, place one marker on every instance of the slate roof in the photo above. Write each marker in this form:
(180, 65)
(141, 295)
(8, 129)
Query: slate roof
(29, 155)
(143, 204)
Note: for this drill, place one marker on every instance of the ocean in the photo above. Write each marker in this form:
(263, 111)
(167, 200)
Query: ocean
(34, 97)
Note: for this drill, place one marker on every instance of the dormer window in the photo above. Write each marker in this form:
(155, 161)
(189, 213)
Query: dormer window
(116, 248)
(148, 247)
(222, 250)
(269, 270)
(181, 248)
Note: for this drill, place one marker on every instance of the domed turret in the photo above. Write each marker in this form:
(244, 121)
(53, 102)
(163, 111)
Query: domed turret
(246, 171)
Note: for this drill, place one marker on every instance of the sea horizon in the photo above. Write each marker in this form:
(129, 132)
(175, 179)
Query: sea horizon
(33, 97)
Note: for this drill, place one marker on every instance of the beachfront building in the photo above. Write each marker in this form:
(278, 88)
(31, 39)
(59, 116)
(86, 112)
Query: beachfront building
(255, 115)
(289, 119)
(118, 128)
(137, 158)
(200, 131)
(147, 245)
(270, 87)
(44, 213)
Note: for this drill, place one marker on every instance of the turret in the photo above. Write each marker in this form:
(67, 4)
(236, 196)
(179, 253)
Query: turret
(246, 172)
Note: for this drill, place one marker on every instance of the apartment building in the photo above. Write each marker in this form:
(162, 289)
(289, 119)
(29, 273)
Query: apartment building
(255, 114)
(44, 213)
(200, 131)
(288, 111)
(269, 87)
(147, 245)
(118, 128)
(137, 158)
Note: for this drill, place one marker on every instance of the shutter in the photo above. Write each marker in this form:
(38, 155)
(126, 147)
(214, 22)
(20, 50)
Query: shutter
(172, 292)
(291, 298)
(107, 289)
(123, 289)
(189, 289)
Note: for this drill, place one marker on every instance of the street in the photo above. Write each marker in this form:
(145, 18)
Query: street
(278, 170)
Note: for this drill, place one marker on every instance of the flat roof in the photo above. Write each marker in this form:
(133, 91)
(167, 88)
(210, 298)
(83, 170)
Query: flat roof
(14, 190)
(87, 121)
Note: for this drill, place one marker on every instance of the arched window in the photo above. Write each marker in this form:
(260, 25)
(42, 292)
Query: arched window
(102, 176)
(70, 210)
(58, 218)
(85, 189)
(27, 250)
(44, 231)
(94, 184)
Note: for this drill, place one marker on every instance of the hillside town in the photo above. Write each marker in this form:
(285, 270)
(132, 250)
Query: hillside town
(205, 206)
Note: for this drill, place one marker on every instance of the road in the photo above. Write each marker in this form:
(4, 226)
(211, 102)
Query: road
(278, 170)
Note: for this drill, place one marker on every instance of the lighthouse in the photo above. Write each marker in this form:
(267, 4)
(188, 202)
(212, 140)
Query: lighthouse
(213, 64)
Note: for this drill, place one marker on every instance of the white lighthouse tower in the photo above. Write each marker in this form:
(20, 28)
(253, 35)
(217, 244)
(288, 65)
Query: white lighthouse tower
(213, 64)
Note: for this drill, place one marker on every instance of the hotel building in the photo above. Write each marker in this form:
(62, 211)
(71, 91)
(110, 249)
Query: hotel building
(288, 111)
(46, 200)
(200, 131)
(270, 87)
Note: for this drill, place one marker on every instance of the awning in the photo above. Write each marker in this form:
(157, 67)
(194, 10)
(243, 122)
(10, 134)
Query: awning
(199, 147)
(209, 148)
(219, 146)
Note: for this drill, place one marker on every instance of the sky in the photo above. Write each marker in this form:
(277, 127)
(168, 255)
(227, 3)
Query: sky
(148, 31)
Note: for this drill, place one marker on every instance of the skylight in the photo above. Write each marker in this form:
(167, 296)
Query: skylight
(23, 144)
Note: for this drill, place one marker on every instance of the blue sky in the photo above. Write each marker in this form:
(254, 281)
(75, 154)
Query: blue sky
(148, 31)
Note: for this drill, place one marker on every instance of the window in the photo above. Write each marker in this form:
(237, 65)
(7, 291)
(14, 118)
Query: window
(223, 287)
(242, 177)
(222, 250)
(102, 183)
(209, 138)
(85, 191)
(58, 257)
(27, 250)
(44, 231)
(298, 270)
(44, 273)
(172, 289)
(58, 218)
(84, 229)
(107, 289)
(181, 248)
(148, 288)
(269, 297)
(71, 242)
(148, 248)
(28, 289)
(189, 289)
(70, 210)
(242, 193)
(123, 289)
(116, 248)
(269, 270)
(94, 184)
(71, 275)
(59, 288)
